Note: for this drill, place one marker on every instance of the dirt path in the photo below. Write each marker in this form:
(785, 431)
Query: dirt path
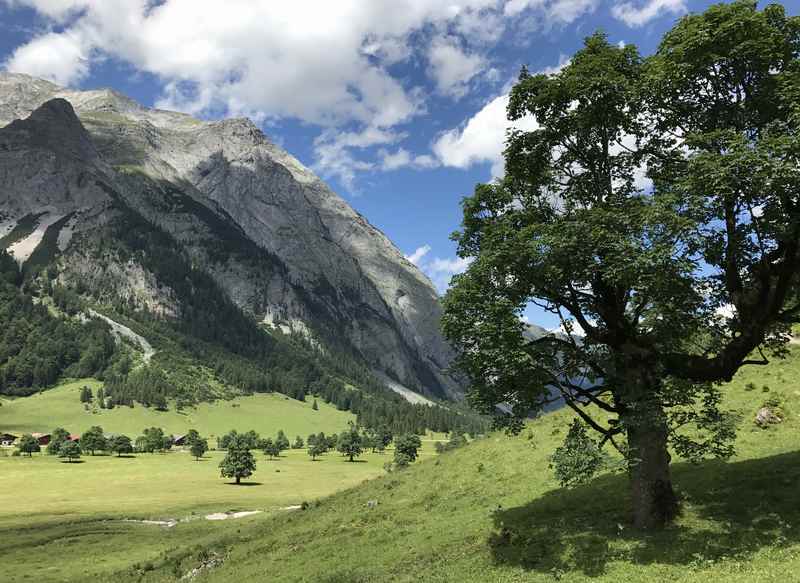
(171, 522)
(125, 332)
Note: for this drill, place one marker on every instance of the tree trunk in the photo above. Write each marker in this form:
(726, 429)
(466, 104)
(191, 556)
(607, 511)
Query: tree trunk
(238, 479)
(652, 497)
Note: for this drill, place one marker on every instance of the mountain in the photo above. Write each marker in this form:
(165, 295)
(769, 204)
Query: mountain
(106, 197)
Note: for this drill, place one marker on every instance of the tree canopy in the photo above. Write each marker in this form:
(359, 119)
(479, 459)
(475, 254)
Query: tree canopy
(239, 462)
(654, 211)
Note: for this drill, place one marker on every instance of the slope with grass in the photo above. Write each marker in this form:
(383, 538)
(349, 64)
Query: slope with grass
(264, 412)
(493, 512)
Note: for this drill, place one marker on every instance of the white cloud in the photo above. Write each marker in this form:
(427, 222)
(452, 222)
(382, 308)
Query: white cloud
(557, 12)
(322, 63)
(58, 57)
(418, 254)
(636, 14)
(481, 139)
(450, 67)
(439, 270)
(56, 9)
(402, 158)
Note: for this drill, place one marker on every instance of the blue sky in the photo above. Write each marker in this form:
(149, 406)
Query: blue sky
(398, 104)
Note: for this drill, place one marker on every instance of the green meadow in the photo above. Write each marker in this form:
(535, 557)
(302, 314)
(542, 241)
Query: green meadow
(266, 413)
(489, 511)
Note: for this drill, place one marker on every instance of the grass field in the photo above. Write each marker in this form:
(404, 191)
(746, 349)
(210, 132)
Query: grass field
(75, 515)
(490, 511)
(266, 413)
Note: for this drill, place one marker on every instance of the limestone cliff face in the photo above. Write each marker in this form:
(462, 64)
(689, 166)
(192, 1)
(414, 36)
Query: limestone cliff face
(275, 237)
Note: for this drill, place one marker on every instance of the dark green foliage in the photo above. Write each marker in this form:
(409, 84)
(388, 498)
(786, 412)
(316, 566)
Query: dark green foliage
(198, 447)
(456, 440)
(147, 385)
(579, 458)
(58, 437)
(120, 444)
(28, 444)
(250, 439)
(316, 448)
(401, 460)
(36, 348)
(86, 395)
(646, 270)
(298, 443)
(191, 436)
(214, 331)
(270, 448)
(224, 441)
(281, 440)
(349, 443)
(69, 450)
(239, 461)
(93, 440)
(152, 440)
(407, 445)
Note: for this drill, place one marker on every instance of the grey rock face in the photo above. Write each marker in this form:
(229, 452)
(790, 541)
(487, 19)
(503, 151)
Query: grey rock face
(296, 254)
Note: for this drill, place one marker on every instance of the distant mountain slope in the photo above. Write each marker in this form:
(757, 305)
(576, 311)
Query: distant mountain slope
(80, 170)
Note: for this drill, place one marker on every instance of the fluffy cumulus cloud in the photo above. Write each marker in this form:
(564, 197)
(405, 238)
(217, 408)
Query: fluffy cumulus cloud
(636, 14)
(451, 67)
(62, 58)
(331, 64)
(557, 11)
(439, 270)
(481, 139)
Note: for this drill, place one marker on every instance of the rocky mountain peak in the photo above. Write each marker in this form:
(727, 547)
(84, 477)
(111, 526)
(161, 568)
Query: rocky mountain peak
(53, 126)
(282, 244)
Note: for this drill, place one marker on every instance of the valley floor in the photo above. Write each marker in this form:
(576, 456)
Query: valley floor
(488, 512)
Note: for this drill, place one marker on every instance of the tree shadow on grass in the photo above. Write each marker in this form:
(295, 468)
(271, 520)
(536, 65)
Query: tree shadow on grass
(73, 462)
(355, 461)
(730, 510)
(244, 484)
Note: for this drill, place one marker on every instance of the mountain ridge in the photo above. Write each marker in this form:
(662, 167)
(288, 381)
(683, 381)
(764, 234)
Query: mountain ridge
(275, 238)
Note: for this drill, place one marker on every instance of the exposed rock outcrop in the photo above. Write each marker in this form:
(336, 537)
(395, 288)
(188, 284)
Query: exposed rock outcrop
(275, 237)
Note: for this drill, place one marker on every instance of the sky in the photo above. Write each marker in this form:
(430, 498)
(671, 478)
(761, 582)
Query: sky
(398, 104)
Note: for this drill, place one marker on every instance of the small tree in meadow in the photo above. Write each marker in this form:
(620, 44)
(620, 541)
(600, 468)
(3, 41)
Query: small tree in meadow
(298, 443)
(349, 443)
(69, 450)
(238, 462)
(199, 447)
(271, 448)
(120, 444)
(281, 440)
(316, 449)
(191, 436)
(154, 439)
(28, 444)
(92, 440)
(59, 436)
(408, 445)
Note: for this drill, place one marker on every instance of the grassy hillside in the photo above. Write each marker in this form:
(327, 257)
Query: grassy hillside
(493, 512)
(490, 511)
(264, 412)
